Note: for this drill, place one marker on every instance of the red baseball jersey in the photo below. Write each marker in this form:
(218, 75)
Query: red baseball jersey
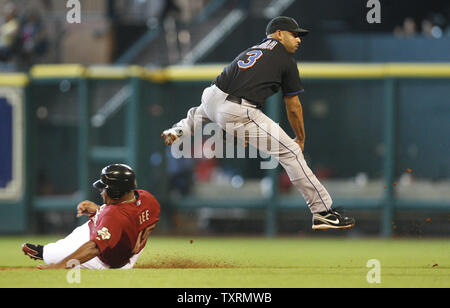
(121, 230)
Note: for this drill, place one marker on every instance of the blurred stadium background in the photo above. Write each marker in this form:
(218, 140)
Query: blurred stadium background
(75, 97)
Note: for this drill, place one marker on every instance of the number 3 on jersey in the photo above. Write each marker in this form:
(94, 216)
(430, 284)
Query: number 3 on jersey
(254, 56)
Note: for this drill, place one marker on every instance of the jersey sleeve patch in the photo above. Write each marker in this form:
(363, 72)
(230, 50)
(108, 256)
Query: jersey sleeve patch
(103, 234)
(108, 233)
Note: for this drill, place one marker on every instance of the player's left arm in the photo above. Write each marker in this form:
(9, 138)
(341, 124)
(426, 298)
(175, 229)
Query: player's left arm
(294, 112)
(85, 253)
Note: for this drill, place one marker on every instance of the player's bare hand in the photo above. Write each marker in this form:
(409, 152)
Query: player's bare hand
(86, 208)
(51, 266)
(168, 139)
(301, 143)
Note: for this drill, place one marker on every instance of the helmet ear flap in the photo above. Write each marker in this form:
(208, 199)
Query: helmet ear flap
(115, 193)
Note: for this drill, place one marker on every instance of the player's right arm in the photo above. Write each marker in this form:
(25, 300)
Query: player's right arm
(86, 208)
(295, 116)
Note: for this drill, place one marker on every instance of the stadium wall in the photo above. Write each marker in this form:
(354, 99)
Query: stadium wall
(373, 113)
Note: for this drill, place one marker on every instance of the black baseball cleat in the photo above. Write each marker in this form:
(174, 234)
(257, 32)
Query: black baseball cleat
(33, 251)
(331, 220)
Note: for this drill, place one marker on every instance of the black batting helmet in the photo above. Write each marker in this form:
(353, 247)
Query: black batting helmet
(117, 180)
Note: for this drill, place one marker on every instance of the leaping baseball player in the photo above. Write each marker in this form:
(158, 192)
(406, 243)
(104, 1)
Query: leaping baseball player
(237, 95)
(116, 232)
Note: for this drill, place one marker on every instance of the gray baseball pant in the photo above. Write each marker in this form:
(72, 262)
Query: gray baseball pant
(262, 133)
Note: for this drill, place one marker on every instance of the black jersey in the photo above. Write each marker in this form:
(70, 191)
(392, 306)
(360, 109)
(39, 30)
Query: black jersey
(259, 72)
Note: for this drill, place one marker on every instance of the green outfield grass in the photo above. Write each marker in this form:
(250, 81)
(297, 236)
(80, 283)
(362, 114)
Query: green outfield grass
(249, 263)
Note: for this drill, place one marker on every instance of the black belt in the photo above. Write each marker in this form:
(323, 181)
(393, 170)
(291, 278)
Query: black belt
(238, 100)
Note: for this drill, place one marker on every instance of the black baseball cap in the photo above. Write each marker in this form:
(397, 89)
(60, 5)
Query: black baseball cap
(286, 24)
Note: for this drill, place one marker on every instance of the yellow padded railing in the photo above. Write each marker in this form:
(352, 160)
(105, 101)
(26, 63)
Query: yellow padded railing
(323, 70)
(13, 80)
(209, 72)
